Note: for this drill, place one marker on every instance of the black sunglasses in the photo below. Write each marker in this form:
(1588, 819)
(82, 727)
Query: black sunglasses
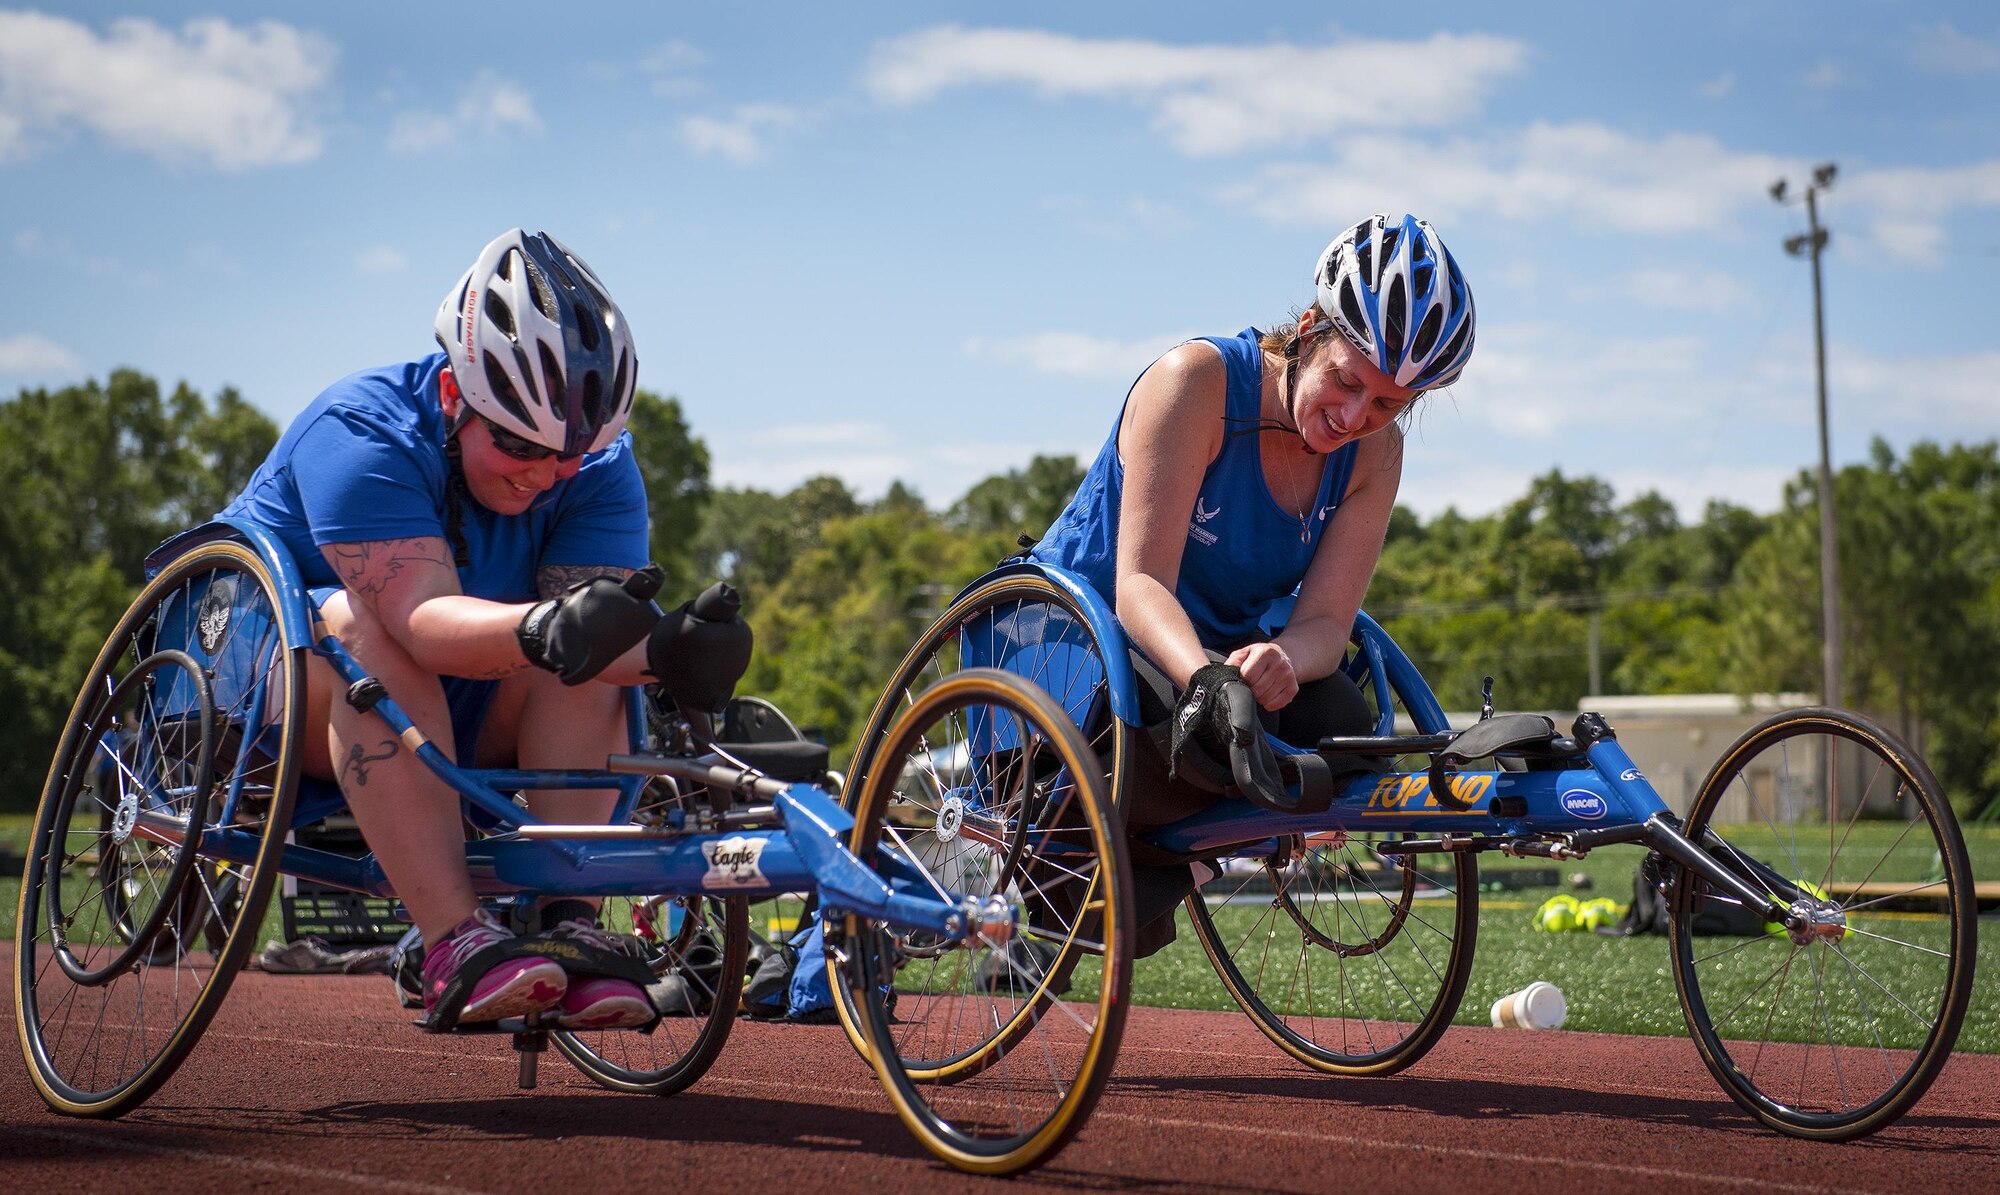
(522, 449)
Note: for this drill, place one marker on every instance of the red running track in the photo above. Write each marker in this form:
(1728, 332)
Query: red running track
(320, 1084)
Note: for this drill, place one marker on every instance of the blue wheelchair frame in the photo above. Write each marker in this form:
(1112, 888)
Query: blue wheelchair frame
(525, 855)
(1560, 812)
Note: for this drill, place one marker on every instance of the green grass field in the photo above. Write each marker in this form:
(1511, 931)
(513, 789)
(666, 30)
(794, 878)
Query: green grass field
(1613, 985)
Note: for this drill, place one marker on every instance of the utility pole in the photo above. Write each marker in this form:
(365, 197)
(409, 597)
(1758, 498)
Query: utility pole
(1811, 245)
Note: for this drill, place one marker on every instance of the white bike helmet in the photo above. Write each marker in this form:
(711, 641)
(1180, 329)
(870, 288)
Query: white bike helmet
(537, 345)
(1392, 288)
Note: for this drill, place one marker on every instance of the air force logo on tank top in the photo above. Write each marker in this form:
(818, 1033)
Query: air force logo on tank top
(1200, 534)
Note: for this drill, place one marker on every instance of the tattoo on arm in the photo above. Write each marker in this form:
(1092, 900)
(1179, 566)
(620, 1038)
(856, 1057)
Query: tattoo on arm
(366, 569)
(358, 759)
(554, 580)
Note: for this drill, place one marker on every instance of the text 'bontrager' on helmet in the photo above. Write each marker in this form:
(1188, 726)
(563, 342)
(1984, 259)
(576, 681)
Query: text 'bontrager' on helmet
(1393, 290)
(537, 345)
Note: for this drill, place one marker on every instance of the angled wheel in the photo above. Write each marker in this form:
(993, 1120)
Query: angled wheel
(697, 947)
(1352, 960)
(1021, 623)
(1833, 1024)
(157, 836)
(992, 1045)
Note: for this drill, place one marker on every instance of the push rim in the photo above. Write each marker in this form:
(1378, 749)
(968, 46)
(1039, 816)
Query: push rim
(1006, 1095)
(100, 1050)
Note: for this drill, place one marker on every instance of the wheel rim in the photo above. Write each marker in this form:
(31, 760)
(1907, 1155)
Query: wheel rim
(994, 1055)
(1837, 1026)
(1350, 959)
(134, 914)
(1027, 627)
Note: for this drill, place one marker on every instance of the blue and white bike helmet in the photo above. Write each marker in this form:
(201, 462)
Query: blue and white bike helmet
(537, 345)
(1392, 289)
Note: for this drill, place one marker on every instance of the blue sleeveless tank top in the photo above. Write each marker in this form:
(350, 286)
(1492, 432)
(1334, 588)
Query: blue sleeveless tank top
(1245, 554)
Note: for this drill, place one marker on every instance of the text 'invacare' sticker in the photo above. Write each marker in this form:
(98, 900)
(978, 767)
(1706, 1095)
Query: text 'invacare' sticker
(733, 862)
(1580, 802)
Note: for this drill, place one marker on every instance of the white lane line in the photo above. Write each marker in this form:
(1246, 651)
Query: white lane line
(1492, 1155)
(317, 1174)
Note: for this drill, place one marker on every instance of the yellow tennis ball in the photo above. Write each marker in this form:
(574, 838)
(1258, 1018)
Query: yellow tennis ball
(1777, 928)
(1600, 912)
(1558, 914)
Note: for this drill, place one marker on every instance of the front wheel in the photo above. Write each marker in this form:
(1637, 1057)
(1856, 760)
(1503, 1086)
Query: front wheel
(696, 947)
(992, 1042)
(1835, 1024)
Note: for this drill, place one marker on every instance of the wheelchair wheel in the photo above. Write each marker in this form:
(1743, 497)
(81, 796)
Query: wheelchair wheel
(992, 1046)
(697, 946)
(1834, 1027)
(1353, 961)
(181, 751)
(1023, 624)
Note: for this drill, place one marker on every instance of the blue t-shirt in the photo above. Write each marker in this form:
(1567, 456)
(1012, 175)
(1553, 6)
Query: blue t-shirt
(1245, 554)
(366, 461)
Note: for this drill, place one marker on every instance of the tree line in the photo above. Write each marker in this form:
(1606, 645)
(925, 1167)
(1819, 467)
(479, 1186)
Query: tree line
(1563, 584)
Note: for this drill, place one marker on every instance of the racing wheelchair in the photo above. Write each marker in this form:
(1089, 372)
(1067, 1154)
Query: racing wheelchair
(165, 818)
(1341, 904)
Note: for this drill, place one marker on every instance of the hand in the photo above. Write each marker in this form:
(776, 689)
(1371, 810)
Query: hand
(701, 650)
(1267, 669)
(583, 632)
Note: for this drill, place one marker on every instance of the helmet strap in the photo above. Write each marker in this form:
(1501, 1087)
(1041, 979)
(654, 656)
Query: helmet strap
(455, 493)
(1291, 393)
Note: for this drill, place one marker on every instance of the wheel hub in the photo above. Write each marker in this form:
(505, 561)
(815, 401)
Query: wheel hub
(950, 819)
(1815, 921)
(127, 816)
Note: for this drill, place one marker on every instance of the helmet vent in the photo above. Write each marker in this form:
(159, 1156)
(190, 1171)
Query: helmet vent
(552, 377)
(503, 390)
(1350, 306)
(1396, 313)
(621, 381)
(593, 401)
(545, 295)
(1427, 333)
(1364, 257)
(1389, 237)
(1457, 345)
(586, 327)
(1421, 278)
(497, 311)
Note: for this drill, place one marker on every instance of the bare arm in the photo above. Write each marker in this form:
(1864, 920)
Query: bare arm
(1171, 432)
(410, 586)
(1316, 637)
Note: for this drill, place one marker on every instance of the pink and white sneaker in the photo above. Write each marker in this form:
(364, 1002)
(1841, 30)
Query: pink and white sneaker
(514, 988)
(603, 1002)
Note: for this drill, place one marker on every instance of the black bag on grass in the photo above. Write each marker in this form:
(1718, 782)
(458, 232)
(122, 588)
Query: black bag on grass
(1717, 915)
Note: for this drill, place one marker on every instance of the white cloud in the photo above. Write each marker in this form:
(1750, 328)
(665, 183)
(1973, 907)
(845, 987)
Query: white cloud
(738, 136)
(1074, 354)
(30, 353)
(1716, 88)
(234, 96)
(1941, 47)
(380, 259)
(1677, 290)
(1680, 182)
(1213, 98)
(669, 66)
(1826, 73)
(489, 105)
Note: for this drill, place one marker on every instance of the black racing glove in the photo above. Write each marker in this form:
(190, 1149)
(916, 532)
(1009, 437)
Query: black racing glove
(702, 649)
(581, 633)
(1201, 720)
(1218, 714)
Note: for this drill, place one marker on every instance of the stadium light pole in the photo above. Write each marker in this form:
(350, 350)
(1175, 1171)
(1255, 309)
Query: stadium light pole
(1810, 245)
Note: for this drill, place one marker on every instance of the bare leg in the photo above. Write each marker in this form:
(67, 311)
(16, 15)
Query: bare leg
(409, 817)
(536, 721)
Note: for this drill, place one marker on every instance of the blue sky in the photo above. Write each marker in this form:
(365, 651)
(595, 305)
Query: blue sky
(929, 241)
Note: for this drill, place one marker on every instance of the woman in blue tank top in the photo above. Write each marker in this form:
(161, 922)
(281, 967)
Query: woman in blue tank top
(1245, 469)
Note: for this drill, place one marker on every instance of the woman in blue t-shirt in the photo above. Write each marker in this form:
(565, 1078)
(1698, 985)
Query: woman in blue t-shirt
(1247, 469)
(468, 523)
